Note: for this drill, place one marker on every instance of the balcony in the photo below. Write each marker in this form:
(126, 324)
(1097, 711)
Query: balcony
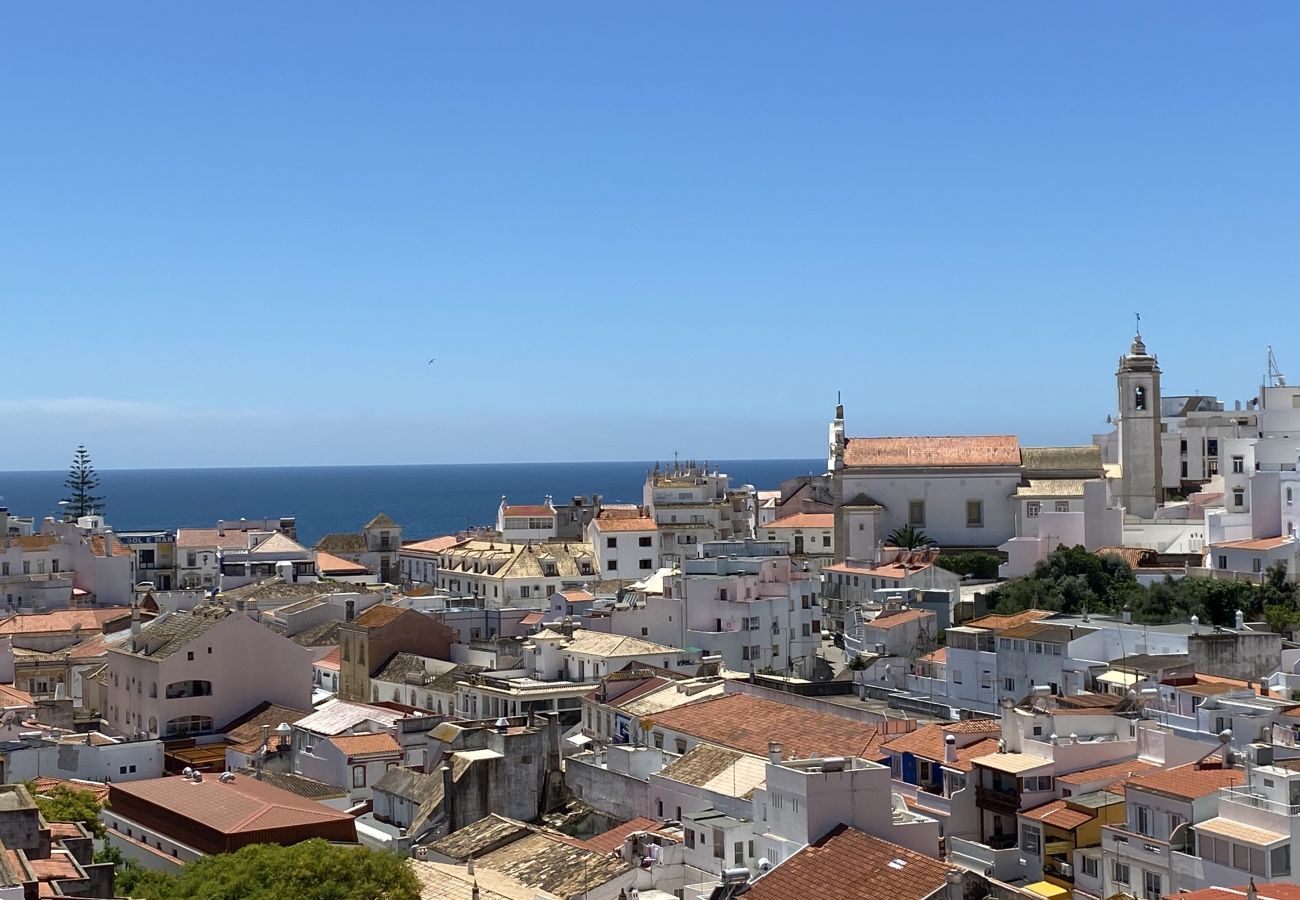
(997, 800)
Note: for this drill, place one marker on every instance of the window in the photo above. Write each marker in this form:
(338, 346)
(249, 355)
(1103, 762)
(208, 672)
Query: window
(916, 512)
(738, 855)
(1290, 497)
(956, 676)
(1257, 564)
(1239, 497)
(690, 838)
(1281, 860)
(643, 542)
(1238, 465)
(611, 565)
(1223, 561)
(1090, 866)
(1031, 840)
(1152, 885)
(1032, 509)
(1120, 873)
(191, 559)
(27, 567)
(1143, 820)
(806, 630)
(4, 568)
(358, 776)
(189, 655)
(974, 513)
(611, 542)
(1036, 783)
(1062, 505)
(1140, 397)
(1212, 448)
(1009, 684)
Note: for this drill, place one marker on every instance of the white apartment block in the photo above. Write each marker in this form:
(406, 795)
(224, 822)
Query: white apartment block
(626, 544)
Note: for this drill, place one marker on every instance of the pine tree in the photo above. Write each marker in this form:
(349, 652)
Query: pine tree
(80, 483)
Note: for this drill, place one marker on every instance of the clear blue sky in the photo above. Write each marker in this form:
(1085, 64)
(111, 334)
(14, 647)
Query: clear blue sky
(234, 233)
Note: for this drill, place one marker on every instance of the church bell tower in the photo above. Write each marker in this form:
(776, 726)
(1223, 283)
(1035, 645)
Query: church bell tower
(1138, 381)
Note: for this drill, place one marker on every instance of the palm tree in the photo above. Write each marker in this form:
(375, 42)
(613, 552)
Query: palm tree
(908, 537)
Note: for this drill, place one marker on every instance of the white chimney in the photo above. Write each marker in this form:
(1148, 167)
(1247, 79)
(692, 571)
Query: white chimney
(135, 619)
(1240, 620)
(950, 748)
(1128, 616)
(774, 752)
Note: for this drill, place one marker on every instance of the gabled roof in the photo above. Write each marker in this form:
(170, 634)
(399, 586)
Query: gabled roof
(243, 805)
(998, 623)
(432, 545)
(746, 723)
(343, 542)
(599, 643)
(379, 615)
(1044, 462)
(848, 864)
(533, 511)
(383, 520)
(278, 543)
(926, 452)
(246, 731)
(718, 769)
(1268, 543)
(171, 633)
(329, 564)
(804, 520)
(609, 841)
(368, 744)
(1109, 773)
(611, 524)
(893, 619)
(1190, 781)
(339, 716)
(1059, 814)
(87, 620)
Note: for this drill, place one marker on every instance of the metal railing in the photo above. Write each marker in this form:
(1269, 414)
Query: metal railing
(1258, 801)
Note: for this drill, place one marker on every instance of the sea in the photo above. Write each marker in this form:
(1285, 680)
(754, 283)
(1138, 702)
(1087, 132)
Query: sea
(426, 500)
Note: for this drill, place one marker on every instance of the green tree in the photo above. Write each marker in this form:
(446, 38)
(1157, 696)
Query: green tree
(66, 804)
(82, 482)
(909, 538)
(313, 869)
(977, 565)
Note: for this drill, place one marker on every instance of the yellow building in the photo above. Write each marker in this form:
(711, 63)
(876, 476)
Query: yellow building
(1050, 834)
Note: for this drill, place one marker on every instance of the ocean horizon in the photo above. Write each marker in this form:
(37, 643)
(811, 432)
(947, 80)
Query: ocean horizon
(426, 500)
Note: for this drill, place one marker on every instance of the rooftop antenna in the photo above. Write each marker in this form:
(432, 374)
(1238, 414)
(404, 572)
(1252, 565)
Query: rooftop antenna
(1275, 376)
(1138, 323)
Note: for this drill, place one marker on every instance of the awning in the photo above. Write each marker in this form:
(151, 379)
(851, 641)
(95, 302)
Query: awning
(1229, 828)
(1124, 679)
(578, 740)
(1047, 889)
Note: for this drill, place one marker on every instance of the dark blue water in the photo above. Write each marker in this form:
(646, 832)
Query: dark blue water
(425, 500)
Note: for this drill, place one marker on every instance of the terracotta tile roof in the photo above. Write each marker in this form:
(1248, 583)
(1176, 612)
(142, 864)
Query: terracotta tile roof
(355, 746)
(1134, 556)
(997, 623)
(612, 840)
(383, 520)
(1268, 543)
(718, 770)
(747, 723)
(974, 726)
(331, 660)
(35, 541)
(916, 452)
(1042, 631)
(804, 520)
(534, 511)
(378, 615)
(1110, 773)
(1263, 891)
(242, 805)
(1059, 814)
(246, 731)
(329, 564)
(88, 620)
(343, 542)
(532, 618)
(891, 619)
(936, 656)
(432, 545)
(10, 696)
(45, 784)
(847, 864)
(607, 525)
(201, 538)
(118, 548)
(929, 744)
(1190, 781)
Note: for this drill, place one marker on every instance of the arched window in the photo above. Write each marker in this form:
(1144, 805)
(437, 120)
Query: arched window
(1140, 397)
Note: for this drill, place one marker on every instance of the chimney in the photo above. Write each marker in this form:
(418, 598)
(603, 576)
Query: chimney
(952, 880)
(349, 610)
(469, 865)
(240, 604)
(950, 748)
(1127, 616)
(774, 752)
(473, 891)
(135, 619)
(1239, 621)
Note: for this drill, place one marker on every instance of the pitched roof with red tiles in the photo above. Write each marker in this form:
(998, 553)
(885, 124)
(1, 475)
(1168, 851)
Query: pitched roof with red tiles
(804, 520)
(35, 541)
(929, 743)
(944, 451)
(45, 784)
(974, 726)
(329, 564)
(893, 619)
(63, 620)
(1268, 543)
(1190, 781)
(358, 746)
(1059, 814)
(11, 697)
(206, 538)
(117, 548)
(377, 615)
(935, 656)
(331, 660)
(746, 723)
(609, 841)
(607, 524)
(997, 623)
(1109, 773)
(432, 545)
(848, 864)
(534, 511)
(242, 805)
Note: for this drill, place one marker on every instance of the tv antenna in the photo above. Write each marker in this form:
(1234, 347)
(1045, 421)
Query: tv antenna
(1275, 376)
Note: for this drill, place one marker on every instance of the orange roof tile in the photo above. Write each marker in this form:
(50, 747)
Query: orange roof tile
(892, 619)
(243, 805)
(936, 656)
(35, 541)
(804, 520)
(534, 511)
(377, 615)
(118, 548)
(379, 743)
(847, 864)
(88, 620)
(931, 746)
(10, 696)
(331, 660)
(997, 623)
(606, 524)
(1110, 773)
(329, 564)
(745, 723)
(1263, 890)
(432, 545)
(609, 841)
(1268, 543)
(916, 452)
(1059, 814)
(974, 726)
(1190, 781)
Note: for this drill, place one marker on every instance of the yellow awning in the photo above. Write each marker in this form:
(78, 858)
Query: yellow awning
(1121, 678)
(1047, 889)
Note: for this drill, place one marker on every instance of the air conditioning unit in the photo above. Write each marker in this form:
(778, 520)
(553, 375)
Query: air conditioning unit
(1067, 870)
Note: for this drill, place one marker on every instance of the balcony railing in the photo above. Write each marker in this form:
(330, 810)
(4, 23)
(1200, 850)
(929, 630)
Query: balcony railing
(996, 800)
(1258, 801)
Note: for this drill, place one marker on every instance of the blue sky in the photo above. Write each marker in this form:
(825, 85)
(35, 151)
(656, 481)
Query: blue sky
(233, 234)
